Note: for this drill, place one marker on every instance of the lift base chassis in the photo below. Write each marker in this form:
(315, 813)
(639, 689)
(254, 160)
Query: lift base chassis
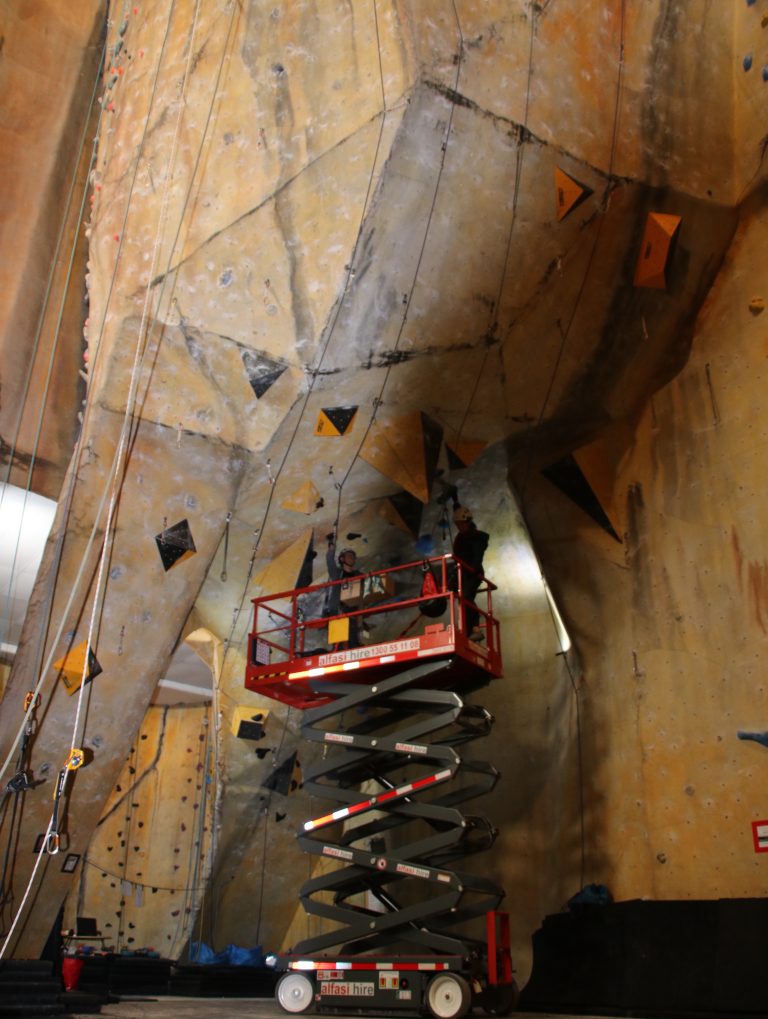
(442, 986)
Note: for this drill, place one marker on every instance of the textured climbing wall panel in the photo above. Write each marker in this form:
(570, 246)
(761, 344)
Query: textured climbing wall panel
(144, 875)
(670, 789)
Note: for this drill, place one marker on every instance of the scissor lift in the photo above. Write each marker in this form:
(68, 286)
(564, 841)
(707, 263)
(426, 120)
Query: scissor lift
(394, 724)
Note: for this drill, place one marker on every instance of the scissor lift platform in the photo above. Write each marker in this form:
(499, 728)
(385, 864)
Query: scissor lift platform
(394, 723)
(284, 662)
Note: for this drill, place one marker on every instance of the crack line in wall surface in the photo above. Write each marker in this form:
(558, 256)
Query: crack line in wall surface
(150, 768)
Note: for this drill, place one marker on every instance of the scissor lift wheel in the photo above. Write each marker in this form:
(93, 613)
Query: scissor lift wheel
(295, 993)
(448, 996)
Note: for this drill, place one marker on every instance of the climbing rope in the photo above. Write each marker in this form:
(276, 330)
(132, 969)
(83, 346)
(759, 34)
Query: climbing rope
(75, 759)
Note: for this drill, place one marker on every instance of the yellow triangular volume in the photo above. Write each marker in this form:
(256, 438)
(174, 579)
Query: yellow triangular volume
(568, 192)
(660, 229)
(335, 420)
(283, 572)
(304, 500)
(72, 665)
(405, 450)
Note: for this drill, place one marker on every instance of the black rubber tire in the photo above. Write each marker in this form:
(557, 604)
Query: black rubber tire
(501, 1000)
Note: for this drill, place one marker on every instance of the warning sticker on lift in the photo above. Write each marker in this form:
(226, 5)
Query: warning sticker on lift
(354, 988)
(389, 981)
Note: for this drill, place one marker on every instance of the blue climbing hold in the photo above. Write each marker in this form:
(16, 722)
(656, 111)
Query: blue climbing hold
(765, 73)
(751, 2)
(747, 62)
(758, 737)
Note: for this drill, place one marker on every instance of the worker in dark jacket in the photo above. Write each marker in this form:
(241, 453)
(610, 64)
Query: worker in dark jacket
(469, 546)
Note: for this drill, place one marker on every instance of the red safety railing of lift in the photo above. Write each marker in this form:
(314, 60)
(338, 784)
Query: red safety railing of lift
(381, 606)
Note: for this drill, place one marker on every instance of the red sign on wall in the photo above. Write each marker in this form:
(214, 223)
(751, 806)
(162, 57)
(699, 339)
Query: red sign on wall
(760, 836)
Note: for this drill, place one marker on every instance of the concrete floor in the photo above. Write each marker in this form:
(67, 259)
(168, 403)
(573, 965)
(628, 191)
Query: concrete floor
(223, 1008)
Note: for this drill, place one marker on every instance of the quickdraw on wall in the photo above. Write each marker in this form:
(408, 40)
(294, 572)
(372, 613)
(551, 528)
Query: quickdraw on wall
(52, 839)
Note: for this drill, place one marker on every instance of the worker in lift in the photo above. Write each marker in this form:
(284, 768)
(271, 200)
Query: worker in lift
(469, 546)
(342, 568)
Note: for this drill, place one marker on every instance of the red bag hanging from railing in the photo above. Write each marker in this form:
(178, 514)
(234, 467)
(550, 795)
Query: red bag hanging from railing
(435, 606)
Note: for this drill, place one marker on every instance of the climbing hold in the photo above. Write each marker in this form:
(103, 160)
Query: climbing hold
(335, 420)
(405, 450)
(175, 544)
(262, 371)
(403, 511)
(305, 499)
(757, 305)
(248, 722)
(747, 62)
(655, 249)
(569, 193)
(463, 454)
(283, 570)
(757, 737)
(72, 666)
(765, 73)
(568, 476)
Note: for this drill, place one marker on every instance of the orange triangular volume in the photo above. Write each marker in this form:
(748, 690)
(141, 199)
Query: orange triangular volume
(304, 500)
(73, 668)
(568, 193)
(283, 572)
(463, 454)
(599, 471)
(405, 450)
(660, 229)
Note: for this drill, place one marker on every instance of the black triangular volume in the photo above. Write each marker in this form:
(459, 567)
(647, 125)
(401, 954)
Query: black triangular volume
(568, 477)
(94, 669)
(174, 543)
(433, 438)
(280, 778)
(262, 371)
(340, 417)
(454, 461)
(409, 509)
(304, 578)
(178, 536)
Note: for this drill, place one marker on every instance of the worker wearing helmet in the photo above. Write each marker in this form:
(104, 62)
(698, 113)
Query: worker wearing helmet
(341, 567)
(469, 547)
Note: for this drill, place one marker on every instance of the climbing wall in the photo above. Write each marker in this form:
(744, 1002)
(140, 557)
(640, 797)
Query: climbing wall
(144, 876)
